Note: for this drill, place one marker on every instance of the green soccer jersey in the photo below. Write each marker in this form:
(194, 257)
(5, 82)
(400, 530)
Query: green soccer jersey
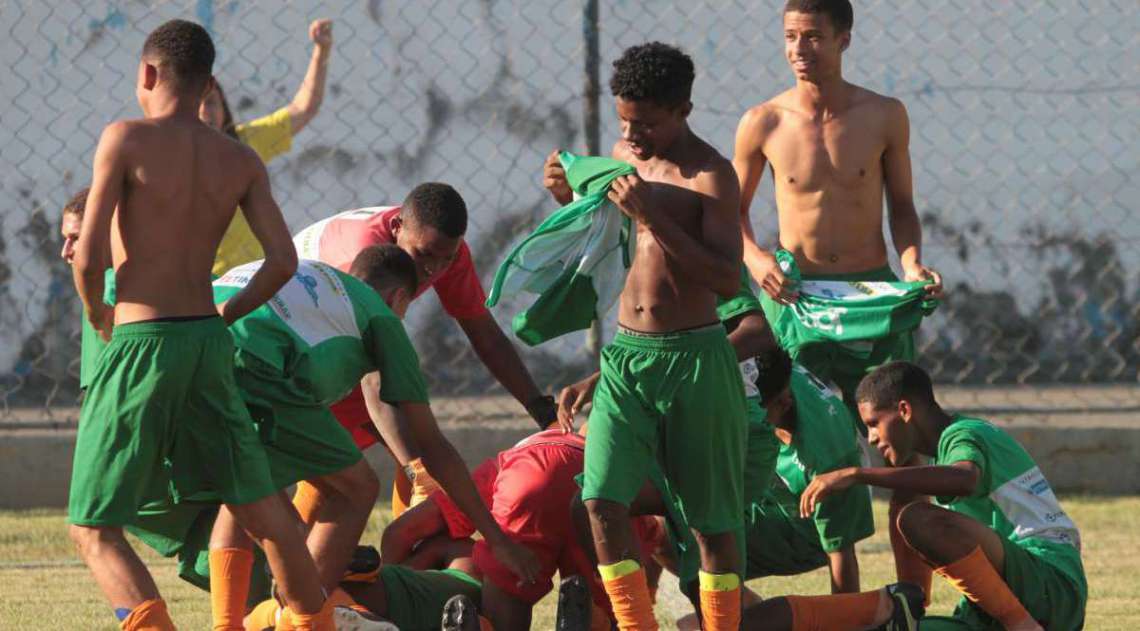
(90, 343)
(726, 309)
(320, 333)
(1013, 497)
(823, 441)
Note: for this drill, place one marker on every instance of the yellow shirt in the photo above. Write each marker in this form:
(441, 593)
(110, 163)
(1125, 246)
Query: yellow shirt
(270, 136)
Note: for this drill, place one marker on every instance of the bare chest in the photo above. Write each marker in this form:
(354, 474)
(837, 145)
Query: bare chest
(810, 156)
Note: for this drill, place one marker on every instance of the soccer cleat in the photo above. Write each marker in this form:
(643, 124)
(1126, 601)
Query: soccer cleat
(908, 600)
(459, 614)
(364, 567)
(573, 605)
(348, 619)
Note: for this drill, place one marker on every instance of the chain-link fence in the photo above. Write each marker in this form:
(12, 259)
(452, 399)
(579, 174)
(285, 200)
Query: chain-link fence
(1024, 127)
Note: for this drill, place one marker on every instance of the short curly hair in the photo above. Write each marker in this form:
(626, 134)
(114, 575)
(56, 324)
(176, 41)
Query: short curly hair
(773, 372)
(654, 72)
(840, 12)
(896, 381)
(185, 48)
(437, 205)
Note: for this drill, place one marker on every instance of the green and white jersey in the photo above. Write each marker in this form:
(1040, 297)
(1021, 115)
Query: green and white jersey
(823, 440)
(1013, 497)
(745, 301)
(320, 333)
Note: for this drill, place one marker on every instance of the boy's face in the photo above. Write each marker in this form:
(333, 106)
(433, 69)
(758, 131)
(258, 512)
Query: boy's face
(210, 110)
(649, 129)
(69, 230)
(812, 46)
(891, 430)
(781, 407)
(431, 250)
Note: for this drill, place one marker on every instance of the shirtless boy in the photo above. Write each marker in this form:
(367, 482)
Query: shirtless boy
(834, 150)
(163, 191)
(670, 389)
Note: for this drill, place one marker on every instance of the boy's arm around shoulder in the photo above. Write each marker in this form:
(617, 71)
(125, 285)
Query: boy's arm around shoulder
(268, 225)
(959, 479)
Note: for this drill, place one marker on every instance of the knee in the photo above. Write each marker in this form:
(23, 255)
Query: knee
(606, 513)
(920, 523)
(87, 539)
(363, 485)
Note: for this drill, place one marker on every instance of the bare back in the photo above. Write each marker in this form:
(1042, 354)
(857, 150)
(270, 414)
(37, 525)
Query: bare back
(664, 292)
(183, 183)
(829, 177)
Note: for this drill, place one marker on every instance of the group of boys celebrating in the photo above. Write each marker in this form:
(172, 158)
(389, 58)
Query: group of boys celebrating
(713, 448)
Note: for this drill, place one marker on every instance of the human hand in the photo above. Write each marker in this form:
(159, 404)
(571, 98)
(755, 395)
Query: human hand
(572, 398)
(630, 194)
(103, 320)
(823, 485)
(918, 272)
(320, 33)
(554, 179)
(516, 558)
(773, 280)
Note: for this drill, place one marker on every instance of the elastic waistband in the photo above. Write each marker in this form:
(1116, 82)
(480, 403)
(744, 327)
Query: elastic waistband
(688, 339)
(878, 274)
(183, 328)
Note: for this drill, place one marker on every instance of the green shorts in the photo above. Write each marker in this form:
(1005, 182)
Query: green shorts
(1053, 597)
(837, 363)
(416, 597)
(760, 458)
(302, 441)
(163, 401)
(676, 399)
(779, 542)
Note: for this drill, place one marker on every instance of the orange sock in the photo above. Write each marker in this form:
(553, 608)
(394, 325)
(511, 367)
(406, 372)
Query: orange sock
(229, 586)
(401, 492)
(628, 590)
(320, 621)
(976, 578)
(263, 616)
(307, 500)
(151, 615)
(720, 601)
(837, 612)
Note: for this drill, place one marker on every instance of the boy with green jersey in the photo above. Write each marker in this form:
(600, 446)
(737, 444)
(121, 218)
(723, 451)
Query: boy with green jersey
(998, 534)
(303, 350)
(816, 436)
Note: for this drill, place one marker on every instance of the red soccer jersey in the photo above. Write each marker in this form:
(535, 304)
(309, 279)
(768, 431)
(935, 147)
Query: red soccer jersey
(338, 239)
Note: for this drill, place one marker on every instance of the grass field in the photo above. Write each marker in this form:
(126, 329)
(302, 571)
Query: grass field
(46, 587)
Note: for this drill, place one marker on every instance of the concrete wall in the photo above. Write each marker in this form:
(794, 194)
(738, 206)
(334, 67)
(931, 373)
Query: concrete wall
(35, 466)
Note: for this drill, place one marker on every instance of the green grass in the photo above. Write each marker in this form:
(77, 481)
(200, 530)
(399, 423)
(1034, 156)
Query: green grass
(46, 587)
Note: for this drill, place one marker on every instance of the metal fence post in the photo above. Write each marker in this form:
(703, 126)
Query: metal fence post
(591, 123)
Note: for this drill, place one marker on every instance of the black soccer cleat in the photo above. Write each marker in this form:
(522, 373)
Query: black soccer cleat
(364, 567)
(459, 614)
(909, 607)
(573, 605)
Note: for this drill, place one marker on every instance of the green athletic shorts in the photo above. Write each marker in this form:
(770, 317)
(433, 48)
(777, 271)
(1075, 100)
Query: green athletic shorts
(1054, 598)
(416, 597)
(676, 399)
(163, 401)
(763, 449)
(831, 362)
(302, 441)
(779, 543)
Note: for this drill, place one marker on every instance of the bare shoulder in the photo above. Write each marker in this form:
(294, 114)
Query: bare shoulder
(714, 173)
(763, 118)
(889, 106)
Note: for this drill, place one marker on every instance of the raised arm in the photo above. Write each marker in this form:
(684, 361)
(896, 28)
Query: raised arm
(309, 96)
(906, 229)
(265, 219)
(94, 244)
